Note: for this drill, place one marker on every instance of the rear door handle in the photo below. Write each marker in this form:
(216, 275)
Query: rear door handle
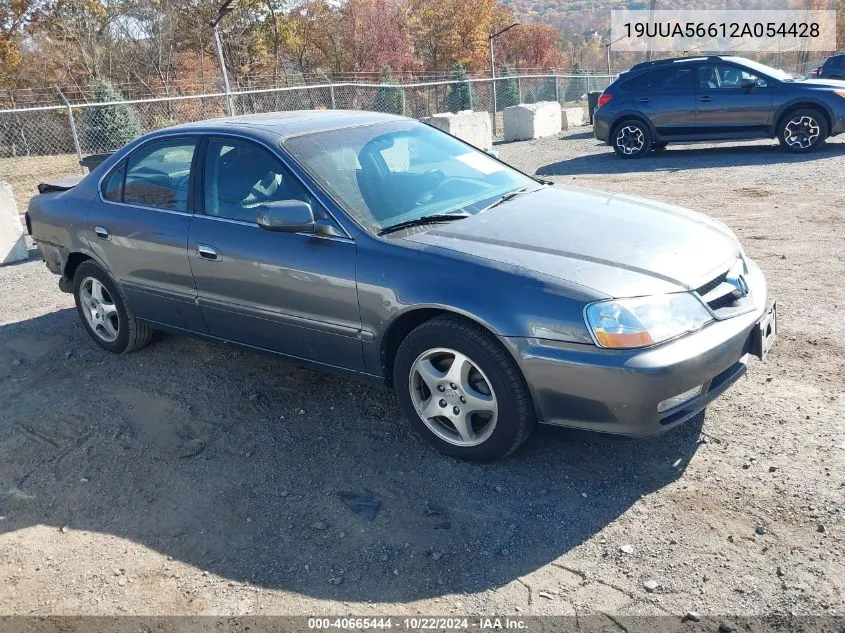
(705, 99)
(102, 232)
(208, 252)
(644, 99)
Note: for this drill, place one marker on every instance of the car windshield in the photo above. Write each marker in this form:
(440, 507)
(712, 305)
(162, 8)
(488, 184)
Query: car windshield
(401, 171)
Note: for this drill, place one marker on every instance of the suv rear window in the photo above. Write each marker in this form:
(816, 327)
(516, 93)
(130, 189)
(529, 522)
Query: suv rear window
(674, 78)
(835, 62)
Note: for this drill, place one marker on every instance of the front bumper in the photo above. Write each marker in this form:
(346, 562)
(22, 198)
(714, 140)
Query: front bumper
(618, 391)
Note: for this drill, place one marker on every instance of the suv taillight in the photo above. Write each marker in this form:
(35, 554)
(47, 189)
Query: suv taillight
(604, 98)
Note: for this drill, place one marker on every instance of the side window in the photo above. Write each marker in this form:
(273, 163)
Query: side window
(157, 175)
(664, 80)
(113, 187)
(240, 176)
(722, 77)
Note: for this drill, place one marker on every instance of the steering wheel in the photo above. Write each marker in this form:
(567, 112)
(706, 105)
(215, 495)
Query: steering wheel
(442, 190)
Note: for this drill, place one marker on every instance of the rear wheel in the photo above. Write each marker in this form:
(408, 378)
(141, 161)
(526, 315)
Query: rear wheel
(105, 313)
(631, 139)
(462, 391)
(802, 131)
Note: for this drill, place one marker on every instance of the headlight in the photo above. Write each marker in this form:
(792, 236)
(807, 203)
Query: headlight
(645, 320)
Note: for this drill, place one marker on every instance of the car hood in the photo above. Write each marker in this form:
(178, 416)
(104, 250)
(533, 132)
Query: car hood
(834, 84)
(616, 245)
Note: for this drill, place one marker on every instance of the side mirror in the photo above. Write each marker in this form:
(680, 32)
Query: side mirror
(286, 216)
(748, 84)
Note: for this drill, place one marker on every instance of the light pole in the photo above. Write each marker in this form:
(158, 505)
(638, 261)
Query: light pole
(490, 39)
(226, 9)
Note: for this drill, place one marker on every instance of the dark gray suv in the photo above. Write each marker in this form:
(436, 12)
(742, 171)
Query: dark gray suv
(716, 98)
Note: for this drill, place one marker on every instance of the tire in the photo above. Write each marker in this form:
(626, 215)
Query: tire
(659, 147)
(491, 381)
(803, 130)
(631, 138)
(105, 313)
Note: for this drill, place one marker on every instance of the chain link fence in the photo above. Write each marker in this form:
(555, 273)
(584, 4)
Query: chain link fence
(50, 142)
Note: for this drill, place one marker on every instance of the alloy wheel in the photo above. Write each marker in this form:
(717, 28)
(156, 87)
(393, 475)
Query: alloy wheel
(99, 309)
(630, 140)
(453, 397)
(801, 132)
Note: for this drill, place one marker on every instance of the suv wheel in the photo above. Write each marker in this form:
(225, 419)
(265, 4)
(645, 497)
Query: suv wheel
(105, 313)
(462, 391)
(803, 130)
(631, 139)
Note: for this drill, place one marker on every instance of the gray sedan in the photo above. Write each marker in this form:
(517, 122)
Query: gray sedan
(377, 246)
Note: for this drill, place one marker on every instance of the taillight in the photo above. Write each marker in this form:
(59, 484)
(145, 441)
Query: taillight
(604, 98)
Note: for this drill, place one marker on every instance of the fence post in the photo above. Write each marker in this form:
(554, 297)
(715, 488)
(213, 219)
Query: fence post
(519, 87)
(557, 90)
(403, 100)
(72, 129)
(331, 94)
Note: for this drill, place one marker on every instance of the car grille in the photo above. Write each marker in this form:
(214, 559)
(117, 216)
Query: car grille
(719, 295)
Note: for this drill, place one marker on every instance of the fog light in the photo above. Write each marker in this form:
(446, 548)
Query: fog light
(676, 401)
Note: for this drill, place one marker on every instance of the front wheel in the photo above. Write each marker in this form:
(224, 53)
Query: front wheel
(802, 131)
(631, 139)
(462, 391)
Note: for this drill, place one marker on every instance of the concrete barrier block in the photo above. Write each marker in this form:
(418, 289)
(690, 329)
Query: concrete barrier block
(475, 128)
(12, 234)
(535, 120)
(573, 117)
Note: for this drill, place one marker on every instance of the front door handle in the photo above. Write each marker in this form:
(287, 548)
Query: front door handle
(705, 99)
(102, 232)
(644, 99)
(208, 252)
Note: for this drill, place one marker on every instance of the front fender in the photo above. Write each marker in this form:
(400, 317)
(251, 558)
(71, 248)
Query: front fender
(396, 279)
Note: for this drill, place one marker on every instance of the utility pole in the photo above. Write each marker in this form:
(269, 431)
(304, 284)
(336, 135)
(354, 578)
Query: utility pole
(225, 9)
(650, 50)
(493, 67)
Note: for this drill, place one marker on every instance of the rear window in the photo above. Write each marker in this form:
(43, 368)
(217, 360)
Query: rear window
(835, 62)
(663, 79)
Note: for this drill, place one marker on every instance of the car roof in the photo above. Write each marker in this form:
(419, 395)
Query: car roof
(290, 123)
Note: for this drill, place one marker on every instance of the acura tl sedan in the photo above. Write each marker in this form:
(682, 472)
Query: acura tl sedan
(377, 246)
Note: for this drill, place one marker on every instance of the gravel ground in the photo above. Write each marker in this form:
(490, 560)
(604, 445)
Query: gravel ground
(191, 478)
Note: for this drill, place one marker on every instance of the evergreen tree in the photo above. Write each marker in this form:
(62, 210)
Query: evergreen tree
(388, 99)
(507, 89)
(577, 85)
(462, 95)
(109, 127)
(548, 91)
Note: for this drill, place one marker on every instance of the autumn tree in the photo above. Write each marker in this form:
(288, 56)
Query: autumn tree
(445, 32)
(530, 45)
(15, 15)
(375, 35)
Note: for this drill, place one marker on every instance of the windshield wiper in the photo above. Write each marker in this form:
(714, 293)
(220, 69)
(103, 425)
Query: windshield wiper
(508, 196)
(426, 219)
